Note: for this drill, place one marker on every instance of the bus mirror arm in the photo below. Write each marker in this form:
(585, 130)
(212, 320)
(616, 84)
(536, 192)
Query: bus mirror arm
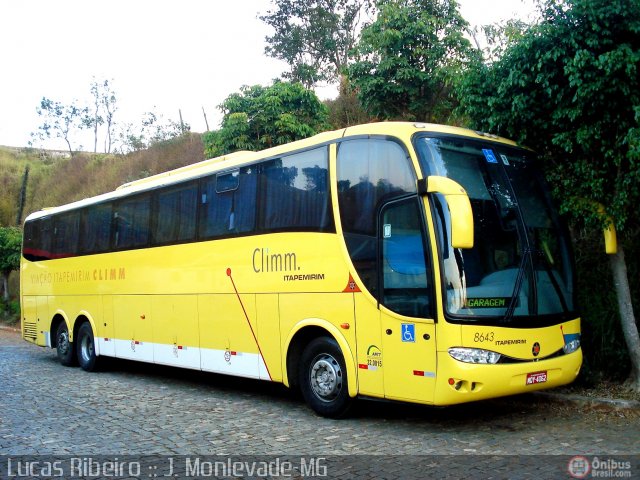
(609, 229)
(458, 204)
(610, 240)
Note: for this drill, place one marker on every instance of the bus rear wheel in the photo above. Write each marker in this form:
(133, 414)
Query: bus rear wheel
(86, 348)
(64, 347)
(323, 378)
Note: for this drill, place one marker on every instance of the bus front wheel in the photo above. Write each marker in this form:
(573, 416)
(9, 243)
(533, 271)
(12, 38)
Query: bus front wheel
(86, 348)
(323, 378)
(64, 347)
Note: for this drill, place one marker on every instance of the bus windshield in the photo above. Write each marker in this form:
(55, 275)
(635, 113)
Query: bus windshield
(520, 268)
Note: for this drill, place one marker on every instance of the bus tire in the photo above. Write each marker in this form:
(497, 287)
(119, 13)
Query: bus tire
(64, 346)
(323, 378)
(86, 349)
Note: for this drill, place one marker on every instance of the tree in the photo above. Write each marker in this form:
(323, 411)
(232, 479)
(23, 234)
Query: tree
(314, 37)
(153, 129)
(60, 120)
(22, 195)
(346, 110)
(498, 37)
(408, 59)
(103, 108)
(569, 88)
(95, 120)
(10, 247)
(109, 107)
(261, 117)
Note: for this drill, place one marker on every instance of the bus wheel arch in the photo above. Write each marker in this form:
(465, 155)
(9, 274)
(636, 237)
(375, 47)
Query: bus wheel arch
(312, 339)
(296, 346)
(62, 341)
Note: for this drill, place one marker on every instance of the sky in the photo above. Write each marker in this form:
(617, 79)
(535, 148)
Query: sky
(159, 55)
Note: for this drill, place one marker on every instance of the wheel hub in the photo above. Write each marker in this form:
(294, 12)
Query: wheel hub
(86, 348)
(63, 342)
(326, 377)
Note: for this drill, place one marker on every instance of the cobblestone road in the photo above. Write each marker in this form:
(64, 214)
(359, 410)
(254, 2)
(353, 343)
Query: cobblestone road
(143, 409)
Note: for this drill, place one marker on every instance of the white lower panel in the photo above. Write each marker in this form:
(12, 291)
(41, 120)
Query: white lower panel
(134, 350)
(176, 355)
(231, 362)
(228, 362)
(106, 347)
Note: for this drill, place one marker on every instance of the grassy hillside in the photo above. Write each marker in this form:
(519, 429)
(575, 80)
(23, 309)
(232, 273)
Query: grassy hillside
(55, 180)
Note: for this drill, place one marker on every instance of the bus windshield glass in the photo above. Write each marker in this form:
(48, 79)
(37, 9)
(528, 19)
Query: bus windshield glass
(520, 268)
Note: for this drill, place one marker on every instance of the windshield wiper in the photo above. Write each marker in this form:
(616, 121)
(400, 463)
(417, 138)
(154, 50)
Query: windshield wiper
(518, 285)
(527, 257)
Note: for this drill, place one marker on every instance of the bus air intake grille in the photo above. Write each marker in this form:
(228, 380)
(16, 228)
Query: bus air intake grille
(505, 359)
(29, 330)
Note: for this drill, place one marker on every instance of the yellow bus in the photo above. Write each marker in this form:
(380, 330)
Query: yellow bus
(403, 261)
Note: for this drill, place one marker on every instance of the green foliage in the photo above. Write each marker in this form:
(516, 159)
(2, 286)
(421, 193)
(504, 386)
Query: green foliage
(314, 37)
(346, 110)
(569, 88)
(409, 58)
(10, 247)
(152, 129)
(14, 308)
(11, 170)
(501, 36)
(9, 311)
(602, 338)
(261, 117)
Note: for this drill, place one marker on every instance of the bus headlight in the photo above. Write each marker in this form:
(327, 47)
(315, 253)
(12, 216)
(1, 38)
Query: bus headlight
(474, 355)
(571, 346)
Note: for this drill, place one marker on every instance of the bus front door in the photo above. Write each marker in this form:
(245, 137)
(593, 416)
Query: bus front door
(406, 304)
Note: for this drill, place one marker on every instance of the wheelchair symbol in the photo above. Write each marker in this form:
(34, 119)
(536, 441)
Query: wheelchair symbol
(408, 332)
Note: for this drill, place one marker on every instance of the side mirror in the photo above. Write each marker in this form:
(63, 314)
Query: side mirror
(610, 238)
(459, 208)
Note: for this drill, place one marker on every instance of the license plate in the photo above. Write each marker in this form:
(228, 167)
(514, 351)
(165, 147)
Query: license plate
(536, 377)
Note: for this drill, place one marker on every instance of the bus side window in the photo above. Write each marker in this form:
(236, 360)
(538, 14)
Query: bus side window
(176, 216)
(370, 171)
(405, 276)
(95, 228)
(131, 219)
(295, 192)
(66, 232)
(37, 239)
(225, 211)
(45, 225)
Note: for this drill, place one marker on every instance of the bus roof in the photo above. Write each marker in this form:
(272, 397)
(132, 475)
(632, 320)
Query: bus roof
(233, 160)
